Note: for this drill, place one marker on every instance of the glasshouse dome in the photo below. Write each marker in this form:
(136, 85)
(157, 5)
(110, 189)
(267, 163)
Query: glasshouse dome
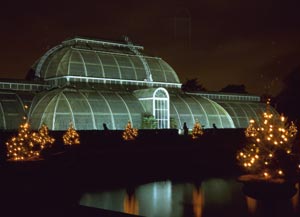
(93, 82)
(104, 61)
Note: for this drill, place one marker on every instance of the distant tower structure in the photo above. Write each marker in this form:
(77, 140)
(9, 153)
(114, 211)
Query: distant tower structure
(182, 27)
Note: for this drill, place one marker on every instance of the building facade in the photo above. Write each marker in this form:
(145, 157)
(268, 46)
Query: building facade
(93, 82)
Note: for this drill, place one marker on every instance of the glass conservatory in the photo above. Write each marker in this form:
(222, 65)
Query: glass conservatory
(93, 82)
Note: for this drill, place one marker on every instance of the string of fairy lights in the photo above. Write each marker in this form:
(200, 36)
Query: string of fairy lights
(71, 137)
(270, 149)
(267, 154)
(130, 133)
(42, 137)
(197, 130)
(27, 144)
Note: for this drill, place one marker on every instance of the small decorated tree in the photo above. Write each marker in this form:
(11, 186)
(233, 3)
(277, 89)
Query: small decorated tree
(197, 130)
(269, 153)
(22, 147)
(71, 137)
(42, 137)
(129, 133)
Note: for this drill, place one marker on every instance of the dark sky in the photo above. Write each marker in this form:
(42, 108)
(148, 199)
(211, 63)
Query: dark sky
(220, 42)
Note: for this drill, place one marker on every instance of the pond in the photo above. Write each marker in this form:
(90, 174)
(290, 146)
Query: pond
(209, 197)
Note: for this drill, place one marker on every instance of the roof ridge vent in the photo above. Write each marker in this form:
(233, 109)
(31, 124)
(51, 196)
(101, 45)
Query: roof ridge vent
(138, 53)
(80, 40)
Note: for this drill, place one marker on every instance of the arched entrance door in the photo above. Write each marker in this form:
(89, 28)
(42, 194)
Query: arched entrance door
(161, 110)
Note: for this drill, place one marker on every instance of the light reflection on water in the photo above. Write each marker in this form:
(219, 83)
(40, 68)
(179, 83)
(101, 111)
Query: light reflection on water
(295, 199)
(212, 197)
(251, 204)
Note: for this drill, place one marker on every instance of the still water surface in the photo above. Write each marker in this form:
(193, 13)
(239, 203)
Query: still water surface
(211, 197)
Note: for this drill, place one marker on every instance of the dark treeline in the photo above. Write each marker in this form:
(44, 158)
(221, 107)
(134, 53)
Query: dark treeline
(287, 101)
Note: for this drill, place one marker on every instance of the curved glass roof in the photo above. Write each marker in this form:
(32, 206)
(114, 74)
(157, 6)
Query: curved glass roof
(88, 59)
(87, 109)
(243, 112)
(189, 108)
(113, 83)
(90, 108)
(144, 93)
(11, 109)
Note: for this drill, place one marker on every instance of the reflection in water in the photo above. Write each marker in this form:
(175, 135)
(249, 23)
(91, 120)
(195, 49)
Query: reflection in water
(295, 199)
(156, 199)
(218, 191)
(251, 204)
(198, 201)
(131, 204)
(274, 207)
(215, 197)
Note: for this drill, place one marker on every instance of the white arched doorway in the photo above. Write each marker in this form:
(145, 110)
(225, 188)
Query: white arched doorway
(161, 108)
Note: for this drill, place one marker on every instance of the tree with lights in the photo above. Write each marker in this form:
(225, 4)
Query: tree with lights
(197, 130)
(269, 154)
(42, 137)
(129, 133)
(71, 137)
(23, 147)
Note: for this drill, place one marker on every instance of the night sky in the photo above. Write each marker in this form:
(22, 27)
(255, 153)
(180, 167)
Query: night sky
(220, 42)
